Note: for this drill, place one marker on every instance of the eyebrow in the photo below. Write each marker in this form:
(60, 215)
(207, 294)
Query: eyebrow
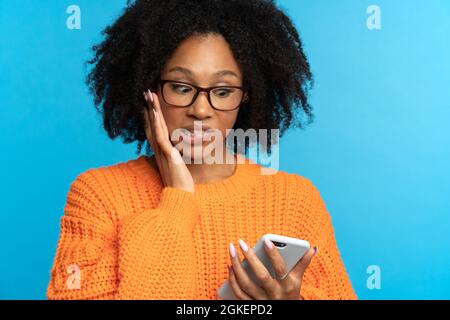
(189, 72)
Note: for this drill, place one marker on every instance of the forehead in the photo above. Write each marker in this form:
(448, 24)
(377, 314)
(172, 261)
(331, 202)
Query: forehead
(203, 55)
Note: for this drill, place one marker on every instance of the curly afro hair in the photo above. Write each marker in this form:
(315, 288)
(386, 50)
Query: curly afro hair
(263, 39)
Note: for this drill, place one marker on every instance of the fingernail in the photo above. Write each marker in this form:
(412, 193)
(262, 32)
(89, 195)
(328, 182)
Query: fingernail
(145, 96)
(316, 249)
(151, 95)
(232, 250)
(268, 243)
(243, 245)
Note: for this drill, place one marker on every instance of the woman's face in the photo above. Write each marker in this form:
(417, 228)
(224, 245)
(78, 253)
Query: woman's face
(201, 61)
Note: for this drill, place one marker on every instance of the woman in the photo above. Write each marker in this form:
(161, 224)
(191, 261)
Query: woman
(166, 226)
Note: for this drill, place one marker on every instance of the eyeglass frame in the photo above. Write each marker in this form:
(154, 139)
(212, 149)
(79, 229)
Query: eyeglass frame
(244, 98)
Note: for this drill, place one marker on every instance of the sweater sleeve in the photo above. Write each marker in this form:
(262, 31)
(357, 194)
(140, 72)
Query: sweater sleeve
(326, 277)
(148, 255)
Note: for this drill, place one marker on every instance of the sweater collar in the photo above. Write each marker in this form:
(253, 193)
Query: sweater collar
(244, 177)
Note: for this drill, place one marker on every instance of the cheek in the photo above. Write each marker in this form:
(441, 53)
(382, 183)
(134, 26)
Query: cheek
(173, 118)
(170, 115)
(228, 119)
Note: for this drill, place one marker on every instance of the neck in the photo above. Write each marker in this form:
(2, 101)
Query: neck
(203, 173)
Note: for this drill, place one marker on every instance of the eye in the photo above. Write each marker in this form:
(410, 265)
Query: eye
(223, 92)
(179, 88)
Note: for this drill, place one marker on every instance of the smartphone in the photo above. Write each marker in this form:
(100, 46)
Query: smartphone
(291, 249)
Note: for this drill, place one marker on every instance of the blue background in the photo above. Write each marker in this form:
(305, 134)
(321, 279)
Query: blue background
(378, 150)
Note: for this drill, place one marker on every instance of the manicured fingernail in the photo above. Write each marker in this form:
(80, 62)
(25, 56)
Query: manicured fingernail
(232, 250)
(316, 249)
(145, 96)
(268, 243)
(243, 245)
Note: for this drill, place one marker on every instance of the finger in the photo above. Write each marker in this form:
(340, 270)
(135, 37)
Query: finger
(244, 281)
(147, 100)
(275, 257)
(161, 137)
(241, 295)
(299, 269)
(161, 153)
(150, 105)
(150, 120)
(262, 274)
(170, 152)
(150, 132)
(157, 107)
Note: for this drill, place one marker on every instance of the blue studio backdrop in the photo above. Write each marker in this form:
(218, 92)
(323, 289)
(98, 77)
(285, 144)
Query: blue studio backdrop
(378, 150)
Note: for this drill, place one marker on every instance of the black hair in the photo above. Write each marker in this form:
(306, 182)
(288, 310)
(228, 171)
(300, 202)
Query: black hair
(263, 39)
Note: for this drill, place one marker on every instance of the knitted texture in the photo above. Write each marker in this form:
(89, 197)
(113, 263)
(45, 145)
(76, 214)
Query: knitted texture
(132, 238)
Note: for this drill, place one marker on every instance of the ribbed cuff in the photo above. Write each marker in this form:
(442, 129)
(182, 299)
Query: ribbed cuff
(176, 209)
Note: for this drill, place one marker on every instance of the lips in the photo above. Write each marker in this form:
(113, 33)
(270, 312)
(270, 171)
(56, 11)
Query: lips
(196, 137)
(197, 128)
(197, 133)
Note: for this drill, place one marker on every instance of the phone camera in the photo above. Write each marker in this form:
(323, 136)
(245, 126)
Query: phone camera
(279, 244)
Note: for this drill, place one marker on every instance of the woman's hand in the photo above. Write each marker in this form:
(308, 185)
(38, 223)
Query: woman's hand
(171, 165)
(287, 288)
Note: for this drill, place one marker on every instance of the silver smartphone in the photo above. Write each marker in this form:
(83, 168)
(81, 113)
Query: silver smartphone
(291, 249)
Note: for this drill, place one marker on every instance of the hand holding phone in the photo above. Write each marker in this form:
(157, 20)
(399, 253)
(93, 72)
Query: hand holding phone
(290, 249)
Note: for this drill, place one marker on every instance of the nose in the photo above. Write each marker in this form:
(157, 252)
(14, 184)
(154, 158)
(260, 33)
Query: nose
(201, 108)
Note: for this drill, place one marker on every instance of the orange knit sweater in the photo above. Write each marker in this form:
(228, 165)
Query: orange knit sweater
(132, 238)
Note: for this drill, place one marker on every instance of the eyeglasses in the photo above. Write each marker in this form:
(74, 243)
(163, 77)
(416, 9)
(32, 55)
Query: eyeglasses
(183, 94)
